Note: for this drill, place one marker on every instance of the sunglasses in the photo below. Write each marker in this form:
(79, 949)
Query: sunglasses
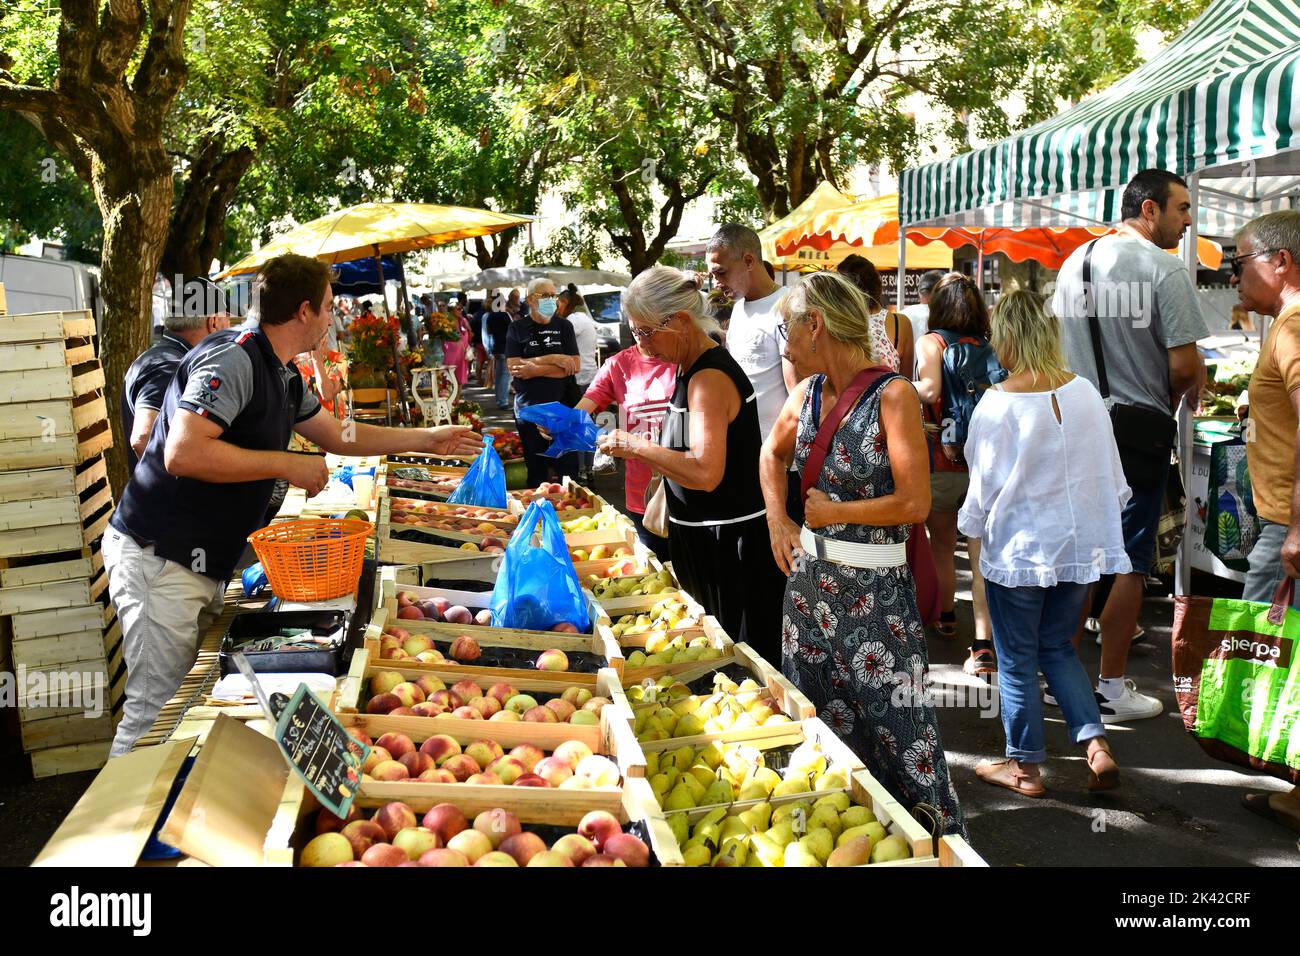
(1235, 262)
(642, 335)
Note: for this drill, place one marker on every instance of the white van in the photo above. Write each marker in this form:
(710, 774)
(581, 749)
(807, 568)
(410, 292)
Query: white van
(50, 285)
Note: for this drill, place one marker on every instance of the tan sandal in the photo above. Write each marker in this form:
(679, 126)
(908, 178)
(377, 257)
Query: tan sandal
(1008, 774)
(1103, 772)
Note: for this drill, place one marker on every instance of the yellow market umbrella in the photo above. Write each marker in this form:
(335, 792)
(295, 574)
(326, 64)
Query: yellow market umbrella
(376, 229)
(825, 197)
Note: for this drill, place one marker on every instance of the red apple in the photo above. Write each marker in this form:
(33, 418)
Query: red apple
(562, 708)
(417, 763)
(363, 834)
(396, 744)
(441, 747)
(384, 854)
(598, 826)
(553, 660)
(486, 706)
(497, 825)
(394, 818)
(553, 771)
(628, 848)
(523, 847)
(541, 715)
(383, 704)
(463, 767)
(528, 755)
(443, 857)
(577, 848)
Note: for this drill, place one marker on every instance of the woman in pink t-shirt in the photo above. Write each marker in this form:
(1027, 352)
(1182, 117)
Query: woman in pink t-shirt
(640, 386)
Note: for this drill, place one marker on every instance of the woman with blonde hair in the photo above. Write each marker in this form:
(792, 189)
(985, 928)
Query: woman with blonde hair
(708, 455)
(851, 634)
(1046, 489)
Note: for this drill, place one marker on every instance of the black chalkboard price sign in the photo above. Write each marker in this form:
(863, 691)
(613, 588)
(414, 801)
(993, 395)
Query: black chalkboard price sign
(320, 750)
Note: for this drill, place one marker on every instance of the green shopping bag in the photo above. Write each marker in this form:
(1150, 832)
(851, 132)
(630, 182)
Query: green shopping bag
(1237, 678)
(1231, 525)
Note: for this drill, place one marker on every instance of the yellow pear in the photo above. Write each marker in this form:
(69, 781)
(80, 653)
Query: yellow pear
(768, 777)
(837, 778)
(680, 826)
(782, 833)
(694, 786)
(681, 797)
(711, 654)
(681, 757)
(709, 832)
(733, 828)
(786, 810)
(696, 855)
(825, 818)
(820, 842)
(791, 786)
(733, 853)
(711, 754)
(797, 854)
(777, 719)
(890, 848)
(689, 726)
(766, 850)
(752, 790)
(854, 816)
(716, 815)
(664, 781)
(718, 792)
(807, 761)
(635, 659)
(838, 801)
(703, 773)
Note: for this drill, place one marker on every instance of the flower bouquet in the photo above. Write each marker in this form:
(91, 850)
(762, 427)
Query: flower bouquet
(467, 413)
(442, 326)
(372, 341)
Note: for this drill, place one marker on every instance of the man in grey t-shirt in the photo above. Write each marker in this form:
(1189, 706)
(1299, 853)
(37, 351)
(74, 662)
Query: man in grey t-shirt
(1149, 323)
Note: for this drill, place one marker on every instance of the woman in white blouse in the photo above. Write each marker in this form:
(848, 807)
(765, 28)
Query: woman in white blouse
(1046, 489)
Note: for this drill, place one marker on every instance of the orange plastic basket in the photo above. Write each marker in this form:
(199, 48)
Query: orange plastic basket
(313, 559)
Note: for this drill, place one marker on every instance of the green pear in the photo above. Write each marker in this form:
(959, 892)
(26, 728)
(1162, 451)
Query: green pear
(890, 848)
(766, 850)
(856, 852)
(852, 817)
(719, 792)
(733, 853)
(768, 777)
(663, 782)
(652, 763)
(689, 726)
(716, 815)
(820, 842)
(703, 773)
(711, 654)
(694, 786)
(752, 790)
(635, 659)
(825, 818)
(684, 705)
(681, 797)
(682, 758)
(757, 817)
(837, 778)
(697, 855)
(680, 826)
(690, 654)
(790, 786)
(799, 854)
(734, 828)
(709, 832)
(839, 802)
(782, 834)
(712, 754)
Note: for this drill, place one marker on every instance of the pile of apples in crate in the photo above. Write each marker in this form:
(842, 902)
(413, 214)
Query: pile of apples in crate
(411, 607)
(429, 696)
(399, 644)
(463, 520)
(572, 500)
(395, 836)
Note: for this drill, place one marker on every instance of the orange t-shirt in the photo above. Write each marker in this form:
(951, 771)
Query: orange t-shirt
(1271, 455)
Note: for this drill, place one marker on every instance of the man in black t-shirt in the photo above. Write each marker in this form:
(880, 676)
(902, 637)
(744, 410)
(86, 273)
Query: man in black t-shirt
(542, 357)
(198, 310)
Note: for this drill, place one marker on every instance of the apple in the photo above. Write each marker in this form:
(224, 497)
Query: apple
(530, 780)
(396, 744)
(485, 779)
(443, 776)
(441, 748)
(521, 703)
(383, 704)
(553, 660)
(376, 756)
(410, 613)
(467, 713)
(446, 699)
(507, 769)
(483, 618)
(502, 692)
(458, 614)
(573, 752)
(554, 771)
(416, 841)
(485, 752)
(471, 844)
(486, 706)
(550, 858)
(585, 718)
(385, 681)
(541, 715)
(405, 598)
(390, 771)
(528, 755)
(575, 847)
(409, 694)
(433, 656)
(444, 856)
(564, 627)
(446, 820)
(417, 644)
(596, 704)
(363, 834)
(326, 849)
(428, 709)
(417, 763)
(601, 859)
(496, 858)
(395, 817)
(523, 847)
(360, 735)
(497, 825)
(506, 715)
(601, 771)
(403, 712)
(562, 709)
(628, 848)
(465, 648)
(463, 767)
(598, 826)
(577, 696)
(327, 822)
(385, 854)
(429, 685)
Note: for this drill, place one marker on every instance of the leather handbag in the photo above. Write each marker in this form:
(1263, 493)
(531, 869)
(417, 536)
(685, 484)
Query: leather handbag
(655, 519)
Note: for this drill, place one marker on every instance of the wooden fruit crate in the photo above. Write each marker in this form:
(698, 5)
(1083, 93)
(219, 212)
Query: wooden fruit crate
(866, 791)
(295, 821)
(440, 509)
(44, 434)
(570, 486)
(600, 568)
(47, 356)
(53, 509)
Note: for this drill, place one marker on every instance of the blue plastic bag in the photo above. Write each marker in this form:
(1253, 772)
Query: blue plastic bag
(254, 580)
(484, 485)
(571, 429)
(537, 587)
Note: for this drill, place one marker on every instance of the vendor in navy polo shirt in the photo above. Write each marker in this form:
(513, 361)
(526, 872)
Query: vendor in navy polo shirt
(206, 476)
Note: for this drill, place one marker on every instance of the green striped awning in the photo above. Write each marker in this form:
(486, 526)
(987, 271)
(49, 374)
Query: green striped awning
(1223, 94)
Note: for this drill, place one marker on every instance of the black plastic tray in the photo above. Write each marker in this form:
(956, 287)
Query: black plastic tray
(244, 627)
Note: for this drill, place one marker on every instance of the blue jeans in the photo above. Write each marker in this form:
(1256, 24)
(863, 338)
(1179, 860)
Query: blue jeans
(501, 381)
(1032, 631)
(1265, 572)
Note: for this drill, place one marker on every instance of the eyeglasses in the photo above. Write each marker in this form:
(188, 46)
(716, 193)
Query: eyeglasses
(642, 335)
(1235, 262)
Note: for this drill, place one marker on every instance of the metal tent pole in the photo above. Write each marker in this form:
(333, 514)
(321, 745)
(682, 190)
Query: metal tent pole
(902, 266)
(1186, 431)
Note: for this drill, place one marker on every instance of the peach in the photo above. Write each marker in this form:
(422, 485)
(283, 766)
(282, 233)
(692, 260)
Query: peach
(396, 744)
(601, 771)
(446, 699)
(562, 709)
(541, 715)
(602, 859)
(550, 858)
(409, 694)
(497, 825)
(463, 767)
(471, 844)
(376, 756)
(402, 712)
(486, 706)
(360, 735)
(417, 644)
(496, 858)
(585, 718)
(388, 643)
(530, 780)
(505, 715)
(327, 822)
(410, 613)
(628, 848)
(440, 604)
(553, 660)
(575, 847)
(521, 703)
(385, 854)
(430, 684)
(465, 648)
(444, 776)
(416, 841)
(564, 627)
(573, 752)
(523, 847)
(467, 713)
(443, 857)
(441, 747)
(598, 826)
(326, 849)
(507, 769)
(394, 818)
(502, 692)
(485, 752)
(417, 763)
(405, 598)
(553, 771)
(446, 820)
(383, 704)
(528, 755)
(595, 705)
(577, 696)
(363, 834)
(390, 771)
(400, 634)
(427, 709)
(466, 690)
(483, 618)
(458, 614)
(385, 681)
(576, 783)
(432, 656)
(485, 779)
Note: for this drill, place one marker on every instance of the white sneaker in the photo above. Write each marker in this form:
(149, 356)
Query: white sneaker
(1128, 706)
(1138, 635)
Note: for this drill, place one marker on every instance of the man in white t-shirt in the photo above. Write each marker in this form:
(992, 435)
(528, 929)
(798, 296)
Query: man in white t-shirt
(919, 315)
(735, 261)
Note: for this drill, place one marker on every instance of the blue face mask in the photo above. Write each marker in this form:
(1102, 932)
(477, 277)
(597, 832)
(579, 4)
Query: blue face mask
(546, 307)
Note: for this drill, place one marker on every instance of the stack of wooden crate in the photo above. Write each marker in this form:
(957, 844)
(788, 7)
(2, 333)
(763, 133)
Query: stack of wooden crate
(58, 633)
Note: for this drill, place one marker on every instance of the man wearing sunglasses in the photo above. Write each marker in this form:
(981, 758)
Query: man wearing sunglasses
(1131, 328)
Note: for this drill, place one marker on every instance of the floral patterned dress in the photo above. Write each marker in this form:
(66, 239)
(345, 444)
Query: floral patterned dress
(851, 638)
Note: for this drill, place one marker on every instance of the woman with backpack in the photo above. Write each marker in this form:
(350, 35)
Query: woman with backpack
(959, 319)
(851, 633)
(1046, 489)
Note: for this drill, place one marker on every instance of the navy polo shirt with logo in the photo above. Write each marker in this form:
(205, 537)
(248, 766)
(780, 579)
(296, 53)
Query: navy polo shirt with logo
(145, 385)
(233, 378)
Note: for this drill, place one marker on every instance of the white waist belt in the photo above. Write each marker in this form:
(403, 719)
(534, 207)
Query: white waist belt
(851, 553)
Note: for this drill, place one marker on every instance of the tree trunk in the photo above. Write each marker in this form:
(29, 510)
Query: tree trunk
(134, 194)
